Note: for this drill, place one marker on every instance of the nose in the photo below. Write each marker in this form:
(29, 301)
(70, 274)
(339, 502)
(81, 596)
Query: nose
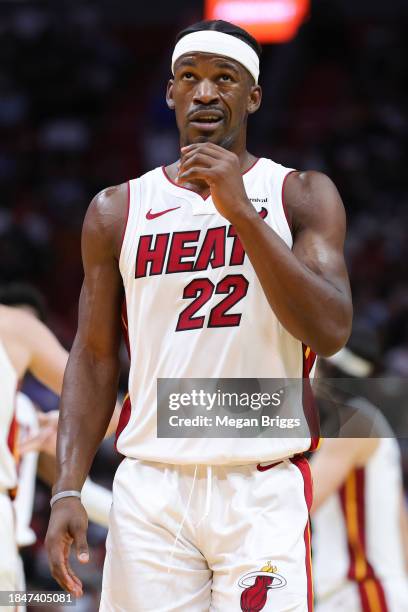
(206, 92)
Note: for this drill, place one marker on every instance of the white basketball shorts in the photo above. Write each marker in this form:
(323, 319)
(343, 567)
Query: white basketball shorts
(199, 538)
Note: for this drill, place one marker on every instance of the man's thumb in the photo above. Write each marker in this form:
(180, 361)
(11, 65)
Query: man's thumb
(81, 546)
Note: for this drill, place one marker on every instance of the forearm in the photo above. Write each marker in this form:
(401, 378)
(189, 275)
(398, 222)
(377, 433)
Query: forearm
(87, 402)
(307, 305)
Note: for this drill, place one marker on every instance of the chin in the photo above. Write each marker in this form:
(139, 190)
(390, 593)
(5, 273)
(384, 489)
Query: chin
(214, 138)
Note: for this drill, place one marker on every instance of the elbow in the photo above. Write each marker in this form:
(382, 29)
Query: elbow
(328, 347)
(335, 335)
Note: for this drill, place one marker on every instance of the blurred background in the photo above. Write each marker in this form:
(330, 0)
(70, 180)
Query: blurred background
(82, 107)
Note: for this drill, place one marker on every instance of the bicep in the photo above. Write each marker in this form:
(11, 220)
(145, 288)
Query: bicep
(319, 228)
(102, 290)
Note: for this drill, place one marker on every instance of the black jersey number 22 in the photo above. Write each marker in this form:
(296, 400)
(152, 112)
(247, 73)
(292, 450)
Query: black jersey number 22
(234, 286)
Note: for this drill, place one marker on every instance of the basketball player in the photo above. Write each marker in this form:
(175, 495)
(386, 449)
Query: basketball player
(216, 285)
(25, 345)
(360, 550)
(37, 433)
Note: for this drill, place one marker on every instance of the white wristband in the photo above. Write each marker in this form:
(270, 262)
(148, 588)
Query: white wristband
(63, 494)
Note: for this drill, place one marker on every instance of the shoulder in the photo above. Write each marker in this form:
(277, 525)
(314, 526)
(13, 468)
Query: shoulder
(19, 325)
(110, 200)
(106, 217)
(304, 184)
(16, 319)
(312, 198)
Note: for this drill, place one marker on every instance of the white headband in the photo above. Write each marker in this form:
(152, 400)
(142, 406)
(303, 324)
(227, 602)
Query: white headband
(209, 41)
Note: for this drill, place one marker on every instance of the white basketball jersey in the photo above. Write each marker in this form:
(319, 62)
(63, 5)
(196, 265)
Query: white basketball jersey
(8, 386)
(27, 420)
(195, 309)
(357, 533)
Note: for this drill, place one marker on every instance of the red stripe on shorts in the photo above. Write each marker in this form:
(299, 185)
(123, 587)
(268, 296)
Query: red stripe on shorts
(360, 571)
(303, 466)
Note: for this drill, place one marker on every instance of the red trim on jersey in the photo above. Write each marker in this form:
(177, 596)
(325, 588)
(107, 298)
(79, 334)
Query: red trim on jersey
(285, 210)
(12, 435)
(251, 166)
(264, 468)
(126, 406)
(182, 186)
(12, 438)
(127, 215)
(353, 504)
(303, 466)
(124, 323)
(309, 405)
(124, 417)
(188, 189)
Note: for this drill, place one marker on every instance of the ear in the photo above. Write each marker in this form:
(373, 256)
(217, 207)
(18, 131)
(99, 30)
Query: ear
(254, 99)
(169, 94)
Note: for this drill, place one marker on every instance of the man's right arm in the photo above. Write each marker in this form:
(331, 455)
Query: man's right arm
(91, 378)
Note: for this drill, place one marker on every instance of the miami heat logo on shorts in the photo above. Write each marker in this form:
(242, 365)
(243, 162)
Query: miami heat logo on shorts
(256, 586)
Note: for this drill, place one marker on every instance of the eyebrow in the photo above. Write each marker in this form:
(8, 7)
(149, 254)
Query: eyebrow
(187, 61)
(219, 63)
(226, 65)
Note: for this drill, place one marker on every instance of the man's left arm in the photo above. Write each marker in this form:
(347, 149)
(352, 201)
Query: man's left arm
(307, 287)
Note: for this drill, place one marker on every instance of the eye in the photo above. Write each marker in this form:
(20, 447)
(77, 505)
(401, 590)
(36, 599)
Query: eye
(225, 78)
(187, 75)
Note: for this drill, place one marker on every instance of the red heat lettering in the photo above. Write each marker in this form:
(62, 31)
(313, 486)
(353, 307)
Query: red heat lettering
(212, 252)
(178, 250)
(155, 256)
(237, 251)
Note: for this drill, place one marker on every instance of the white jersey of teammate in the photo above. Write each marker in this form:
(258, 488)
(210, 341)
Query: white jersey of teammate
(196, 309)
(357, 546)
(27, 420)
(8, 388)
(11, 573)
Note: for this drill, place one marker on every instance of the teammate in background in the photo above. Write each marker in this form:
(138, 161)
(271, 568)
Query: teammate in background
(26, 415)
(97, 499)
(359, 514)
(26, 345)
(216, 286)
(37, 434)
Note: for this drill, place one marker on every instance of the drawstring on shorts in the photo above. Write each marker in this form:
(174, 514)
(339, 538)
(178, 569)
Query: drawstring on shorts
(207, 495)
(183, 519)
(207, 508)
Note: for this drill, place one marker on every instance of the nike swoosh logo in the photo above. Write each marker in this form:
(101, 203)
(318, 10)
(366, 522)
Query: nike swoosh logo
(151, 215)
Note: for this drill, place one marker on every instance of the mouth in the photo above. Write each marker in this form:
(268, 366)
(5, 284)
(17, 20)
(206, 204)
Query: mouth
(206, 121)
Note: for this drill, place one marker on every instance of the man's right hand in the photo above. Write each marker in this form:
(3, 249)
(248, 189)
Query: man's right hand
(68, 524)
